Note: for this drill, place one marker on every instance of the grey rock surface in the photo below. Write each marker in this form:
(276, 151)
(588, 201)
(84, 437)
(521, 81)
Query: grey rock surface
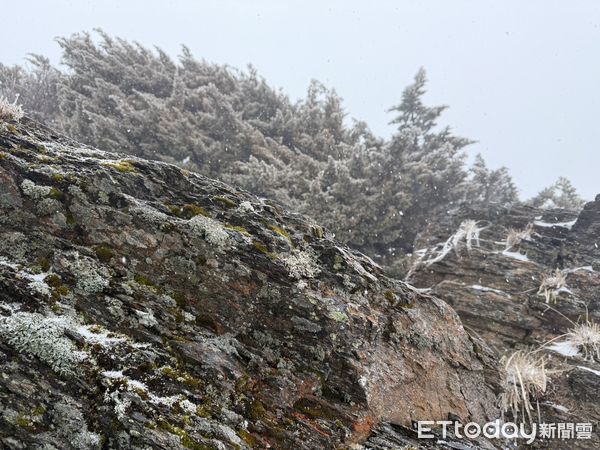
(142, 306)
(496, 288)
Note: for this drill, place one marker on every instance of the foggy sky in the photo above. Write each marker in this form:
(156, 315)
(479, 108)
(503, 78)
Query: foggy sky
(521, 78)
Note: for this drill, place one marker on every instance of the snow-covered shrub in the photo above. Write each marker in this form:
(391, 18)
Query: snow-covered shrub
(42, 337)
(586, 337)
(302, 264)
(10, 111)
(552, 285)
(515, 237)
(526, 378)
(468, 231)
(211, 230)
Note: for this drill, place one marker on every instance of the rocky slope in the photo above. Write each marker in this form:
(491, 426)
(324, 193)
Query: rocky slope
(142, 306)
(497, 288)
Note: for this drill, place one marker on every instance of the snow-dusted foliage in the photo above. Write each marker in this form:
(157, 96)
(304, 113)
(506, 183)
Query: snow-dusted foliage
(10, 111)
(232, 125)
(561, 194)
(491, 185)
(42, 337)
(302, 264)
(526, 378)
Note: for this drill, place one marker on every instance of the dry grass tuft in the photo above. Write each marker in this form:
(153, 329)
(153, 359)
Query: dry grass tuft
(468, 231)
(552, 284)
(586, 337)
(515, 237)
(526, 378)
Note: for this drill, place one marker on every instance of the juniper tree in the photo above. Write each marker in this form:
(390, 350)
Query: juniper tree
(490, 186)
(422, 170)
(561, 194)
(35, 87)
(231, 125)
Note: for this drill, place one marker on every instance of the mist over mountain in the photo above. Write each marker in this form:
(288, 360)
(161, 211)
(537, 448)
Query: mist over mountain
(229, 124)
(191, 260)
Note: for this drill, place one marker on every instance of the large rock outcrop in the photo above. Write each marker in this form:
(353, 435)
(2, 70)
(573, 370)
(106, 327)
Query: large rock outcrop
(142, 306)
(497, 288)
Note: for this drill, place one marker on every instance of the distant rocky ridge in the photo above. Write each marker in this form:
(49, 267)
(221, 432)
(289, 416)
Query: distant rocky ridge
(143, 306)
(496, 292)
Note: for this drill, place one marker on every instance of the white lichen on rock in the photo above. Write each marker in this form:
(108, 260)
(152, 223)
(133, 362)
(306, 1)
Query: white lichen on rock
(338, 316)
(302, 264)
(91, 277)
(39, 287)
(97, 335)
(149, 214)
(126, 388)
(35, 191)
(210, 230)
(188, 407)
(42, 337)
(121, 404)
(146, 319)
(74, 427)
(246, 207)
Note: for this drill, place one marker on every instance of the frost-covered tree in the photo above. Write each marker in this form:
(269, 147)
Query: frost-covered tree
(231, 125)
(36, 87)
(490, 186)
(561, 194)
(420, 171)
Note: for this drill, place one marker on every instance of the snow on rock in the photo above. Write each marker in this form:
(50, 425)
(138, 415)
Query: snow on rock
(478, 287)
(595, 372)
(560, 408)
(564, 348)
(515, 255)
(138, 248)
(566, 225)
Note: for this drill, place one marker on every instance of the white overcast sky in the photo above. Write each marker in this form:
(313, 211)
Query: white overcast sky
(521, 77)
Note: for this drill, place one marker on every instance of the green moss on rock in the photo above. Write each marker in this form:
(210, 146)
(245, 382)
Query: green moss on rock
(239, 229)
(104, 254)
(121, 166)
(143, 280)
(280, 231)
(225, 201)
